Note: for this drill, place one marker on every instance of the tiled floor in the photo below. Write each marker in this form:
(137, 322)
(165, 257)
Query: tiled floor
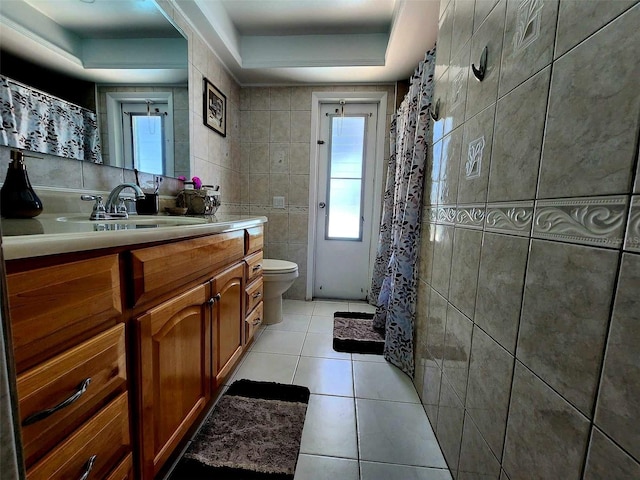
(364, 420)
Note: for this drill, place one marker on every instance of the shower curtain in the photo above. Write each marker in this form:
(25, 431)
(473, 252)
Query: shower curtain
(393, 287)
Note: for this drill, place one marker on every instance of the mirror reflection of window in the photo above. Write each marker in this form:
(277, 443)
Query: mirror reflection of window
(147, 137)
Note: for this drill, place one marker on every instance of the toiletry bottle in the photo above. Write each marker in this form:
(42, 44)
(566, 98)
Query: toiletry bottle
(17, 198)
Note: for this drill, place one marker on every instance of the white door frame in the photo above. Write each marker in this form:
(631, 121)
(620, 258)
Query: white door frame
(318, 98)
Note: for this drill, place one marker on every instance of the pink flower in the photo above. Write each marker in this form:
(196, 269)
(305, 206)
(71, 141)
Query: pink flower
(197, 183)
(182, 177)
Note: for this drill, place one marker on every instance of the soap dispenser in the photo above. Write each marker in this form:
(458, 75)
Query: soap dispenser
(17, 197)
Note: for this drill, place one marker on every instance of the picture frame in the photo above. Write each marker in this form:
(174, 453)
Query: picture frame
(214, 108)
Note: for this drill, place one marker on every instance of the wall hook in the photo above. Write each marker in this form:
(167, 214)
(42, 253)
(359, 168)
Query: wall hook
(481, 71)
(435, 111)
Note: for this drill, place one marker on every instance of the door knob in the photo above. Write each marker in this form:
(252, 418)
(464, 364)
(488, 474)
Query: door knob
(322, 204)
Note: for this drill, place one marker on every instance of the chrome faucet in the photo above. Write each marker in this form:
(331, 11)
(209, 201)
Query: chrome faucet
(112, 207)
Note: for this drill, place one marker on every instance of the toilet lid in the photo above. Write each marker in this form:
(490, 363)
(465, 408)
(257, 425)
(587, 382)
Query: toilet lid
(270, 265)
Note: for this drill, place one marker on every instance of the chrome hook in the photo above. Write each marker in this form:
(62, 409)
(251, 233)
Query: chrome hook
(435, 111)
(481, 71)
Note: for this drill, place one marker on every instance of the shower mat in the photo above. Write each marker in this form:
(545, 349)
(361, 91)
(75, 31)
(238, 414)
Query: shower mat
(353, 332)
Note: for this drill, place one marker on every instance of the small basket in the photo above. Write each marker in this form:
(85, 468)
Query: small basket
(203, 201)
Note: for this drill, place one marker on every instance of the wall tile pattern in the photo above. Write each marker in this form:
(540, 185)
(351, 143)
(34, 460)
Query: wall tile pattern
(532, 250)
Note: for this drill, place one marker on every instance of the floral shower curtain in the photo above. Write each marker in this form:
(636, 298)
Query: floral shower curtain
(394, 278)
(36, 121)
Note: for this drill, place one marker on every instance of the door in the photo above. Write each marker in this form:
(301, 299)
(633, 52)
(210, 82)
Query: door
(346, 165)
(174, 349)
(228, 321)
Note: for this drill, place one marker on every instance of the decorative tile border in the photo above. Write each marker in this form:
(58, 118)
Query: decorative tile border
(513, 217)
(446, 215)
(266, 209)
(590, 221)
(430, 214)
(470, 216)
(632, 238)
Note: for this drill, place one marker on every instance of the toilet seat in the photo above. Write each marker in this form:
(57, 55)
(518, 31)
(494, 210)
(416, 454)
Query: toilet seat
(276, 267)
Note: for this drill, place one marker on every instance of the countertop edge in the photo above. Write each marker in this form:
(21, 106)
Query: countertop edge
(29, 246)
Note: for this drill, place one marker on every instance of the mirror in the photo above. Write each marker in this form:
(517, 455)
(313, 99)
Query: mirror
(128, 64)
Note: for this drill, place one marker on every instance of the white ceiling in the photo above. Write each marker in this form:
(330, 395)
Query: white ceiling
(261, 42)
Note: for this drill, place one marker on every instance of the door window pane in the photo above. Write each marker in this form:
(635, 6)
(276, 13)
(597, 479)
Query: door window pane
(347, 144)
(346, 173)
(344, 208)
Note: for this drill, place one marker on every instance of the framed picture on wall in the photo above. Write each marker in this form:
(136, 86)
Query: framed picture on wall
(214, 108)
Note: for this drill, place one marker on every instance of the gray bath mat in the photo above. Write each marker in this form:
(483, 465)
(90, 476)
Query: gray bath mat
(353, 332)
(253, 433)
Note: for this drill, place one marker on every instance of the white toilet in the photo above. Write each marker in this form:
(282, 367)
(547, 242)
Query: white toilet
(278, 276)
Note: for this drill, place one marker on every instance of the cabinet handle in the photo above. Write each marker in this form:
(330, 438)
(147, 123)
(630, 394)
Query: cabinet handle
(256, 295)
(214, 299)
(256, 267)
(41, 415)
(88, 467)
(256, 322)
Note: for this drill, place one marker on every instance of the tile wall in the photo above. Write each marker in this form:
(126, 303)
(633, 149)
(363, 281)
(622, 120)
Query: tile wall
(528, 320)
(275, 134)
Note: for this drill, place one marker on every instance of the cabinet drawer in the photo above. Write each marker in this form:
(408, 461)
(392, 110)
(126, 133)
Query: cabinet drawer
(124, 471)
(166, 268)
(79, 382)
(253, 295)
(253, 321)
(254, 239)
(54, 308)
(104, 438)
(254, 266)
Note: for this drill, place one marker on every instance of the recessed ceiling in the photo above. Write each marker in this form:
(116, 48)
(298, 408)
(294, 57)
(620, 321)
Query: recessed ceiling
(261, 42)
(107, 19)
(265, 42)
(309, 17)
(105, 41)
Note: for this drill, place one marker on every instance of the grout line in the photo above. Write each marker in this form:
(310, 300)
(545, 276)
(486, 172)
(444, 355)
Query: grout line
(596, 394)
(515, 353)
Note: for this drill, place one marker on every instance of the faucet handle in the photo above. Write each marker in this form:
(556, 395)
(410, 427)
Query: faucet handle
(122, 206)
(99, 212)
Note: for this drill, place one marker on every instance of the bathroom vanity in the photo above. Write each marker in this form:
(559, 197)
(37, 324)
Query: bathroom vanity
(122, 337)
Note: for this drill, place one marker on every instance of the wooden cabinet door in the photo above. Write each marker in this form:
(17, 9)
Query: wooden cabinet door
(174, 349)
(228, 289)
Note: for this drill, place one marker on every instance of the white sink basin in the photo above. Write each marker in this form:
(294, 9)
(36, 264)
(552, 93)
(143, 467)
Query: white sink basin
(156, 220)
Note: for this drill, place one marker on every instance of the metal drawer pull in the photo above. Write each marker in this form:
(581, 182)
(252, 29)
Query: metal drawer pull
(256, 295)
(256, 322)
(256, 267)
(88, 467)
(41, 415)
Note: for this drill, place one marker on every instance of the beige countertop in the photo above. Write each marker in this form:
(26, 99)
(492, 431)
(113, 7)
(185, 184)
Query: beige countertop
(50, 234)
